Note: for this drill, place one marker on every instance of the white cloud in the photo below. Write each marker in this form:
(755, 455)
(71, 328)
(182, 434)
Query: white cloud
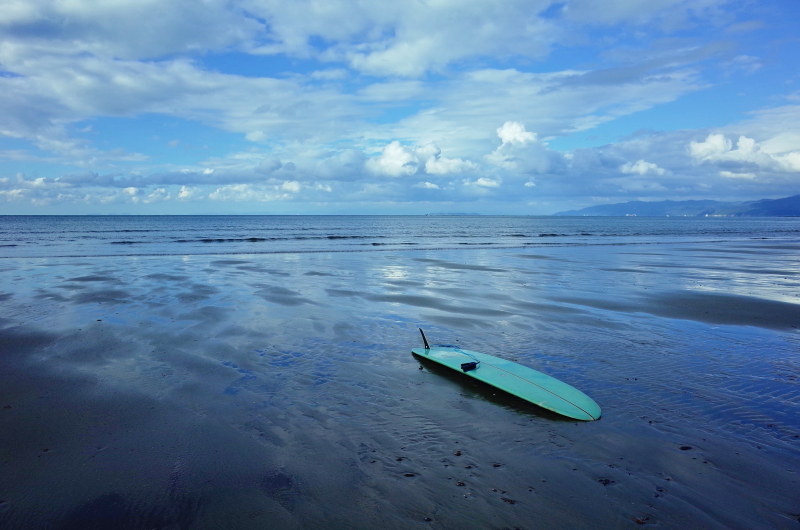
(487, 183)
(622, 169)
(521, 153)
(158, 195)
(52, 91)
(482, 182)
(731, 175)
(513, 132)
(397, 160)
(405, 39)
(13, 195)
(790, 161)
(291, 186)
(713, 146)
(427, 185)
(442, 166)
(718, 149)
(640, 167)
(784, 142)
(247, 193)
(188, 193)
(409, 38)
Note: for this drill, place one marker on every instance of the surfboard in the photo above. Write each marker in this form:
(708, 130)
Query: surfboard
(521, 381)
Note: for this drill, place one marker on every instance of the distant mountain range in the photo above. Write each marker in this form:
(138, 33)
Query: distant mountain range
(454, 213)
(786, 207)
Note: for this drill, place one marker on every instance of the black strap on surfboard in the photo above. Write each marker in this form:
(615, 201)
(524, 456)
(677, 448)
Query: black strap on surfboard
(427, 347)
(469, 366)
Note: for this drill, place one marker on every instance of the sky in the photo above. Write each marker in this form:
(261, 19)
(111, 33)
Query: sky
(375, 107)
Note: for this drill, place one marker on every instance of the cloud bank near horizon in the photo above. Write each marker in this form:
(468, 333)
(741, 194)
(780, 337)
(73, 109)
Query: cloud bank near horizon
(363, 107)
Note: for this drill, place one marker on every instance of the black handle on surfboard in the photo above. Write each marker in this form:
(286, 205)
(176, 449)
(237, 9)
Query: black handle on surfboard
(427, 347)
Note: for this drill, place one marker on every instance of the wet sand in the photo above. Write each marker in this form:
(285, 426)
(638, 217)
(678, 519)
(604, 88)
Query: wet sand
(279, 391)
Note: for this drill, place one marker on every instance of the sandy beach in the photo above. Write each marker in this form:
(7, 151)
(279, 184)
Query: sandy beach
(279, 391)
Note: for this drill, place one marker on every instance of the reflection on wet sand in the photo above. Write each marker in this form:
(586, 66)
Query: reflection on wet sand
(279, 390)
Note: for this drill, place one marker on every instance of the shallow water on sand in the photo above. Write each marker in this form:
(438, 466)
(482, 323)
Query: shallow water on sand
(278, 390)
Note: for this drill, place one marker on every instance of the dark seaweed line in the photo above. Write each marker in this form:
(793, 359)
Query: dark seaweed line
(312, 238)
(406, 249)
(244, 239)
(259, 239)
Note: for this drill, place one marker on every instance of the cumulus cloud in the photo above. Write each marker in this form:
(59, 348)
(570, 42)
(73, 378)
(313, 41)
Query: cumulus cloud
(158, 195)
(613, 170)
(521, 152)
(718, 149)
(291, 186)
(397, 160)
(515, 133)
(641, 167)
(188, 193)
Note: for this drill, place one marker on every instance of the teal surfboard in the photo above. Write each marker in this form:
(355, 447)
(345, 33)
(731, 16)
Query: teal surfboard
(521, 381)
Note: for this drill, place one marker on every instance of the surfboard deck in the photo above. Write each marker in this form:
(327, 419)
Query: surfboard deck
(521, 381)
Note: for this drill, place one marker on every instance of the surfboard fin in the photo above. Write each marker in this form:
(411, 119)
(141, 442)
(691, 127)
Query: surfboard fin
(424, 340)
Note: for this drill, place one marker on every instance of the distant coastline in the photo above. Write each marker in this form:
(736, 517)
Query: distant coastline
(786, 207)
(453, 214)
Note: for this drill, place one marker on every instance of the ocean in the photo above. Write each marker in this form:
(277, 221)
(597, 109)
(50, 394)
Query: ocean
(255, 371)
(79, 236)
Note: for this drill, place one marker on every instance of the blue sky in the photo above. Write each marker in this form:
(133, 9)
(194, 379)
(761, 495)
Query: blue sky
(366, 107)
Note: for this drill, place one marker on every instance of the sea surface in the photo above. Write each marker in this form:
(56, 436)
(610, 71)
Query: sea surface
(252, 372)
(79, 236)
